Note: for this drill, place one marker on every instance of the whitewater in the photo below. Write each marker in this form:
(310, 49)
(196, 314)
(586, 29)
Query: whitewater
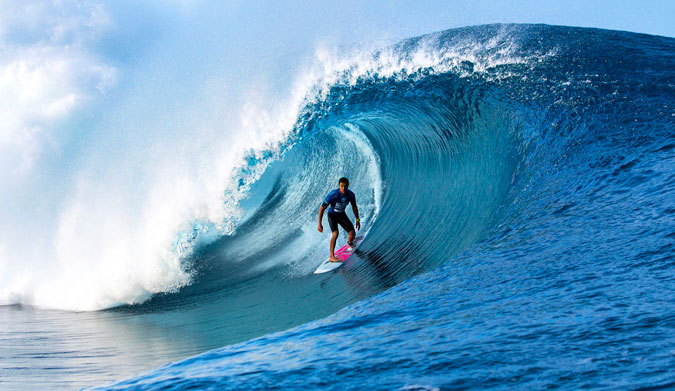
(516, 183)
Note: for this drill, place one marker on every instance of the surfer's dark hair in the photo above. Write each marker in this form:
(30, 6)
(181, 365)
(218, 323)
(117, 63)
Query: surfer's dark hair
(344, 180)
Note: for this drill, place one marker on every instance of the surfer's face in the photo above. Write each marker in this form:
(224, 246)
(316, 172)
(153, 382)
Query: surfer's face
(343, 188)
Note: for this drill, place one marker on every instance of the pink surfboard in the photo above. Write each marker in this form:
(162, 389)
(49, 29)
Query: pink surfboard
(342, 254)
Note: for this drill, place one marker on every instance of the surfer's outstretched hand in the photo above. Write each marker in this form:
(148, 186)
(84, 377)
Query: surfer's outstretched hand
(320, 228)
(358, 225)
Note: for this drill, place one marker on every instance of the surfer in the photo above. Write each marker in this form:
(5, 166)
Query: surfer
(338, 200)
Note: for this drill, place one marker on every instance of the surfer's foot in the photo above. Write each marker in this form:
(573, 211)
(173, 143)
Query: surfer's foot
(333, 258)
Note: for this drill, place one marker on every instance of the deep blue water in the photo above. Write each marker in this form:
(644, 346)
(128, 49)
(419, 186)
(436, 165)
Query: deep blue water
(518, 194)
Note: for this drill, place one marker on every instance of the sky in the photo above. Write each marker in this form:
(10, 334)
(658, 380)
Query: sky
(288, 25)
(651, 17)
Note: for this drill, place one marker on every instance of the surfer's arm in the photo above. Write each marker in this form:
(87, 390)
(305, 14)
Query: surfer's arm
(356, 214)
(321, 209)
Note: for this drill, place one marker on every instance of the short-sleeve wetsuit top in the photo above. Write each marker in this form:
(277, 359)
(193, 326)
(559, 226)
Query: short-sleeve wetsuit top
(338, 201)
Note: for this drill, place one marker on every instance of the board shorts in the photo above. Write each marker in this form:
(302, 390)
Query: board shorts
(339, 218)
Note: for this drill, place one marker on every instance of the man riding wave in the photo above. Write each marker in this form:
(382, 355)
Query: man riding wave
(338, 200)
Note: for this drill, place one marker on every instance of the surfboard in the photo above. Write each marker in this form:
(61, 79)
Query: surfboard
(342, 254)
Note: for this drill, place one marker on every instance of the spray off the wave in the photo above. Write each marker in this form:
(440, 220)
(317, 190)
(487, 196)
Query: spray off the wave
(106, 167)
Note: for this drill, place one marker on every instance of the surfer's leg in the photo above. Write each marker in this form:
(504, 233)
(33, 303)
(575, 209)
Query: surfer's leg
(333, 240)
(350, 238)
(334, 228)
(344, 221)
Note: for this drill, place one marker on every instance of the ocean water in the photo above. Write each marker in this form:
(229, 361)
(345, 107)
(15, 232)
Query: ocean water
(516, 185)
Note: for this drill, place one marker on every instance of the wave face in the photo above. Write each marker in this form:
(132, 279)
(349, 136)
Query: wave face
(517, 188)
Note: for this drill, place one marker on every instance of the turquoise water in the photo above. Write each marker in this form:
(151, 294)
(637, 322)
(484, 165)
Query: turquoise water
(516, 184)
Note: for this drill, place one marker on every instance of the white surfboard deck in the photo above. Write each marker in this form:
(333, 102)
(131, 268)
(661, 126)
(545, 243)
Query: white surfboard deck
(343, 254)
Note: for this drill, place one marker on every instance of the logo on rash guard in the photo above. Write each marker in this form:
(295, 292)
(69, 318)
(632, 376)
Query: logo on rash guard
(340, 206)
